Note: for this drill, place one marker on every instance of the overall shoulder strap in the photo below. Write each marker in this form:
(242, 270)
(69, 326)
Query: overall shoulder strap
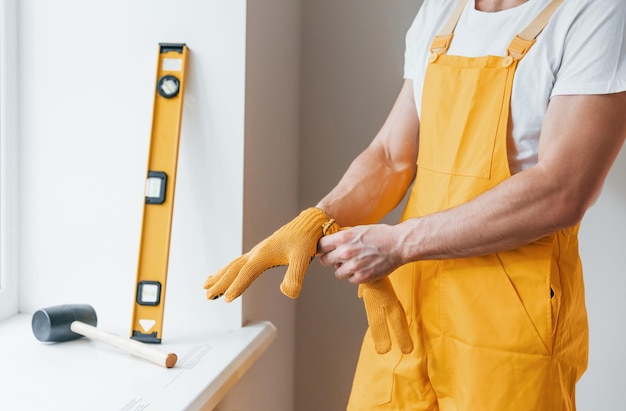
(454, 18)
(442, 40)
(526, 38)
(518, 47)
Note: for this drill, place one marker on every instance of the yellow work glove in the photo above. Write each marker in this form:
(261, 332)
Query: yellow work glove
(384, 311)
(294, 244)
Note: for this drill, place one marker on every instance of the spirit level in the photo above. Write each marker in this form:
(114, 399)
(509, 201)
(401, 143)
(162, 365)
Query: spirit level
(158, 208)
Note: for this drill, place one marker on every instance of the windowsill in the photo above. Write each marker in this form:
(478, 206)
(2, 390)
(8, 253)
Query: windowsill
(85, 374)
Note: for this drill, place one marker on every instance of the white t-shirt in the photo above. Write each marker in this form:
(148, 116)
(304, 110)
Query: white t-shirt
(581, 51)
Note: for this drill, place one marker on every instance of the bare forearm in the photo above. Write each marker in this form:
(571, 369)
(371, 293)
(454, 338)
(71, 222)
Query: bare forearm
(368, 190)
(378, 178)
(520, 210)
(575, 157)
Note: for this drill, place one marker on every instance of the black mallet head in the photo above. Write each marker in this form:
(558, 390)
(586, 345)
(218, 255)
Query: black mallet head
(52, 324)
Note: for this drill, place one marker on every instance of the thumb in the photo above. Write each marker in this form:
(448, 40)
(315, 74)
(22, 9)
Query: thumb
(292, 282)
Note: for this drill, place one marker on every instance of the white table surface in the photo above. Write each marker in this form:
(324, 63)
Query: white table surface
(89, 375)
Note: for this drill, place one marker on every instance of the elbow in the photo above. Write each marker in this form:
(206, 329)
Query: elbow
(570, 216)
(565, 197)
(568, 210)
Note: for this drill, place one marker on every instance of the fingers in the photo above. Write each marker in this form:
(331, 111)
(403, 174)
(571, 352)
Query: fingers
(355, 258)
(330, 255)
(217, 284)
(232, 280)
(345, 271)
(384, 311)
(354, 271)
(326, 245)
(325, 259)
(377, 321)
(249, 272)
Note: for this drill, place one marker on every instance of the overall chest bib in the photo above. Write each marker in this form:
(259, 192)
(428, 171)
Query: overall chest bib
(506, 331)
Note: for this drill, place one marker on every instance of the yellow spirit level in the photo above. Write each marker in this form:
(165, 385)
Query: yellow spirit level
(158, 208)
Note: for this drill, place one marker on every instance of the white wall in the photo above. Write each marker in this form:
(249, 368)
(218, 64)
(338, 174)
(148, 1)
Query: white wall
(87, 72)
(8, 159)
(603, 251)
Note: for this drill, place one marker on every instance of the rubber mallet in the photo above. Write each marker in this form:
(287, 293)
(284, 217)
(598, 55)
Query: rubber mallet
(69, 322)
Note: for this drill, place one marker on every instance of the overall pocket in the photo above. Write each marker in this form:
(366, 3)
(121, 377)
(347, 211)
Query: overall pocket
(501, 301)
(459, 120)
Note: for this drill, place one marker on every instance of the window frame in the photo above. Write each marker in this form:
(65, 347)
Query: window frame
(9, 291)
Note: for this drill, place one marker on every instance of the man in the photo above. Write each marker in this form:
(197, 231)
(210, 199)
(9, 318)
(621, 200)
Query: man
(509, 119)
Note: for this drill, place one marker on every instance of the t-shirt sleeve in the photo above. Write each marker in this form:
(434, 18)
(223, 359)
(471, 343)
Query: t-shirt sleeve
(594, 55)
(430, 18)
(410, 52)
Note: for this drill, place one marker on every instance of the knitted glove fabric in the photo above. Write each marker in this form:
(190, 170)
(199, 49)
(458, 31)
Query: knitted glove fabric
(384, 311)
(294, 244)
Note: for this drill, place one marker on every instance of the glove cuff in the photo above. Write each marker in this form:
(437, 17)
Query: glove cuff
(330, 226)
(316, 219)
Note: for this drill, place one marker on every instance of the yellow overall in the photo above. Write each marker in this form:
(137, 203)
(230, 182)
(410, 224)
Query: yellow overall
(501, 332)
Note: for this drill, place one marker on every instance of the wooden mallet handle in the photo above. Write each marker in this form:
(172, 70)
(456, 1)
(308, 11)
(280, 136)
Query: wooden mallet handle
(128, 345)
